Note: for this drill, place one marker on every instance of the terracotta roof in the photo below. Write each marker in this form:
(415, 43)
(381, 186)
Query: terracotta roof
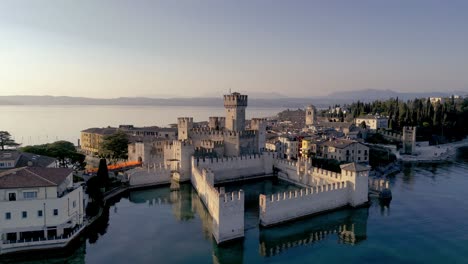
(33, 177)
(354, 167)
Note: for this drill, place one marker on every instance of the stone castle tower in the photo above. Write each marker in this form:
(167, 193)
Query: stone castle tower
(184, 125)
(409, 139)
(235, 105)
(311, 115)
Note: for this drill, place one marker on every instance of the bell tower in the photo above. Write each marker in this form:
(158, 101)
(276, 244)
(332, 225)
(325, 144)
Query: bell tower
(310, 115)
(235, 104)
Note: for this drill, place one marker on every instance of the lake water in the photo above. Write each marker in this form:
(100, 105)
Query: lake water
(32, 125)
(425, 223)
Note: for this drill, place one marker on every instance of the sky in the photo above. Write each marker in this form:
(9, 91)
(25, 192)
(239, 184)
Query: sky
(108, 49)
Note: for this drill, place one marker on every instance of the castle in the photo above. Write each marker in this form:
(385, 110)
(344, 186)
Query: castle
(231, 150)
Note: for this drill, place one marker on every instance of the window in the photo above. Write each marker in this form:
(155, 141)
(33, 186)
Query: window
(12, 197)
(74, 204)
(359, 152)
(7, 215)
(29, 195)
(55, 211)
(359, 158)
(39, 213)
(24, 214)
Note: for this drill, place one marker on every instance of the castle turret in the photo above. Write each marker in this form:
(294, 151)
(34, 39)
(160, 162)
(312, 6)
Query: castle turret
(357, 175)
(184, 125)
(409, 139)
(259, 125)
(311, 113)
(217, 122)
(235, 105)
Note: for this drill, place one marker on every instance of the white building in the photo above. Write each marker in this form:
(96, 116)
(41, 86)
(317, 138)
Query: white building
(435, 100)
(289, 148)
(372, 122)
(343, 150)
(38, 204)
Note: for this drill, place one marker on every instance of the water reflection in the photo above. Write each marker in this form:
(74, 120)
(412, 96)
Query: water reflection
(346, 226)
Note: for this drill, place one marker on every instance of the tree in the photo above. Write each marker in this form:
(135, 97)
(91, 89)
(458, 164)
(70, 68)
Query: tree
(363, 125)
(115, 146)
(64, 151)
(6, 140)
(103, 173)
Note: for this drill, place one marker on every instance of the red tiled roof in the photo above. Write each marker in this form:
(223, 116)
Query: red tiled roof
(33, 177)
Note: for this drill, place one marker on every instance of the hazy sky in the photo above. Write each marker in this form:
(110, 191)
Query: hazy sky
(189, 48)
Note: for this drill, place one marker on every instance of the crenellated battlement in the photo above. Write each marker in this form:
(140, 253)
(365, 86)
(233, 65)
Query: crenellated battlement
(182, 143)
(325, 174)
(231, 196)
(317, 190)
(286, 206)
(206, 161)
(151, 174)
(217, 118)
(390, 135)
(235, 100)
(211, 144)
(206, 132)
(247, 133)
(284, 162)
(185, 119)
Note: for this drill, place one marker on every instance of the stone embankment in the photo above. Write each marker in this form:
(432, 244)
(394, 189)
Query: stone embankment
(438, 153)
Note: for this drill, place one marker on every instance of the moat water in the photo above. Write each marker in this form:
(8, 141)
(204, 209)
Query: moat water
(424, 223)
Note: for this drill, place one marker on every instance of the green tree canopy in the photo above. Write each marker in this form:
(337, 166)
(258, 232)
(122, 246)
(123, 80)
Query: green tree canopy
(64, 151)
(103, 173)
(363, 125)
(115, 146)
(6, 140)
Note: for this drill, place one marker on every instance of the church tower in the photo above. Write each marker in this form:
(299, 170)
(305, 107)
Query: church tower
(311, 113)
(235, 105)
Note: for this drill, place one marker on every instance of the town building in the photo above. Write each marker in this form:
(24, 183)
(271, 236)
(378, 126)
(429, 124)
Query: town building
(289, 147)
(39, 207)
(342, 150)
(435, 100)
(92, 138)
(10, 159)
(372, 122)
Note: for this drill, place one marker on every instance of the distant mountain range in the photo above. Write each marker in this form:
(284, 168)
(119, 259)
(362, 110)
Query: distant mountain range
(255, 99)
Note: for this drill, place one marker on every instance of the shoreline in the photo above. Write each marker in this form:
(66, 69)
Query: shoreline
(435, 154)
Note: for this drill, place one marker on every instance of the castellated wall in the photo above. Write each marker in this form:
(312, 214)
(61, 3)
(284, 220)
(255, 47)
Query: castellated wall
(282, 207)
(152, 174)
(226, 209)
(303, 174)
(236, 168)
(390, 135)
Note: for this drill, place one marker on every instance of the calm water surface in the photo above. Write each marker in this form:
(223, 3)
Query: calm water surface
(425, 223)
(32, 125)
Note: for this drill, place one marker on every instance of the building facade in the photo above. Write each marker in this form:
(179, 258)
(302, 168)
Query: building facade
(39, 204)
(372, 122)
(342, 150)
